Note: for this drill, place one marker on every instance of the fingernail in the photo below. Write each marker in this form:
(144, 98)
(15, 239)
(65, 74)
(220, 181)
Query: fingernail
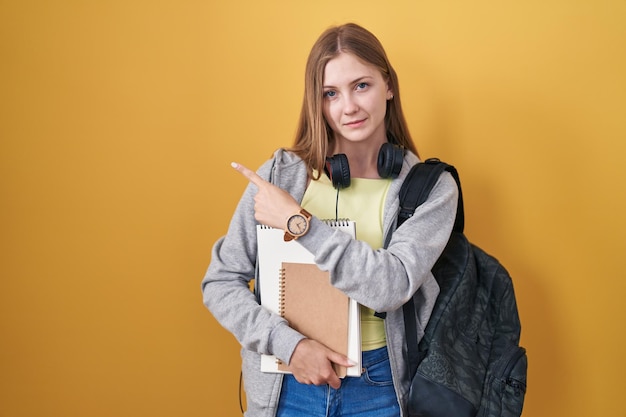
(234, 165)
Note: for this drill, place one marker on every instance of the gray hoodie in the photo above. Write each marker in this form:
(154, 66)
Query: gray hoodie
(382, 279)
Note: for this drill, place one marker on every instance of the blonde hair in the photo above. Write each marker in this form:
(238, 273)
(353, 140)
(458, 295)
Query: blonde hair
(313, 134)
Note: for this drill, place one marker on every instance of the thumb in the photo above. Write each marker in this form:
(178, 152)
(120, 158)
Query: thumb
(340, 359)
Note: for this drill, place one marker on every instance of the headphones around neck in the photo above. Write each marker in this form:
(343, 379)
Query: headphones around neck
(390, 158)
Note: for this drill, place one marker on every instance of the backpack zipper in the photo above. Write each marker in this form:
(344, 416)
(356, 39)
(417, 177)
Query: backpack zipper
(518, 386)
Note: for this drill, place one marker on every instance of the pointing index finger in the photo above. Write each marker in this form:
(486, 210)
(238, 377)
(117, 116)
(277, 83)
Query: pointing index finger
(252, 176)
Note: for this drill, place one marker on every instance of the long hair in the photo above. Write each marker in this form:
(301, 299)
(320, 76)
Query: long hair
(313, 134)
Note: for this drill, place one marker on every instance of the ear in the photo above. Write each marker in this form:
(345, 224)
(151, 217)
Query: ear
(389, 92)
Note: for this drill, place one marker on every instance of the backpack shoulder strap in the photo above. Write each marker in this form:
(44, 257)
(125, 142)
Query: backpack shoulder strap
(414, 191)
(418, 184)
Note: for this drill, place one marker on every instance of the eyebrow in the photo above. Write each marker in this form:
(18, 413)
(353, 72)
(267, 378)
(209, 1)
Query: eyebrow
(358, 80)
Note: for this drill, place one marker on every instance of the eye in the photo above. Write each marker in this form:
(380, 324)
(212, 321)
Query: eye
(330, 94)
(362, 86)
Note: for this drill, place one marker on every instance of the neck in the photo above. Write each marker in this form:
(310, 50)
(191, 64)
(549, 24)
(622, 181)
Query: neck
(363, 158)
(364, 166)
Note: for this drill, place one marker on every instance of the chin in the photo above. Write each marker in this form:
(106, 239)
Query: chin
(361, 139)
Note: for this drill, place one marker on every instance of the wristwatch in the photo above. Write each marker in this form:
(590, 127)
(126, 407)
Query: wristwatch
(297, 225)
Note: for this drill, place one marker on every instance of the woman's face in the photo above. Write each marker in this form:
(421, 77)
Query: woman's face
(355, 100)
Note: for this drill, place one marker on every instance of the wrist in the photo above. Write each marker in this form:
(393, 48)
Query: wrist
(297, 225)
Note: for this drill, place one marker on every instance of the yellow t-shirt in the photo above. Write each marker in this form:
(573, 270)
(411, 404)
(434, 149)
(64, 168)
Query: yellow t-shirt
(362, 202)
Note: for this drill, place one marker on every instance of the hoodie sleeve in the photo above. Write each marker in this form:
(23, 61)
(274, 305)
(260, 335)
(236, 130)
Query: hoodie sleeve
(226, 291)
(385, 279)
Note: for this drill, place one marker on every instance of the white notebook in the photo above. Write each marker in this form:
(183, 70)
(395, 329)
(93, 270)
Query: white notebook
(278, 260)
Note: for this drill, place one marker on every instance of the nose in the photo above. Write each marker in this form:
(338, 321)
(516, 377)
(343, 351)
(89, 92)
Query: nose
(350, 105)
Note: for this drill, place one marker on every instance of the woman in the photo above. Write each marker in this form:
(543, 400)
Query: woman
(351, 154)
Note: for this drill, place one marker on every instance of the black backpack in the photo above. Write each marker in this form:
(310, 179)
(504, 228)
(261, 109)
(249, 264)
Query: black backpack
(469, 362)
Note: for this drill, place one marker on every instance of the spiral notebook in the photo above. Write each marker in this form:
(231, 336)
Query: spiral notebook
(290, 284)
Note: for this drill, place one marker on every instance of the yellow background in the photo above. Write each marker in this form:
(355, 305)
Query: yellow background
(118, 120)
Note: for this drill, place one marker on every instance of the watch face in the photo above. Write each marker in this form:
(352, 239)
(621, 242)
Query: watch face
(297, 224)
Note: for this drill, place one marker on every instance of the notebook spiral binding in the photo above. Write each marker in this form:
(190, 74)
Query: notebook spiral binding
(281, 292)
(336, 222)
(330, 222)
(281, 298)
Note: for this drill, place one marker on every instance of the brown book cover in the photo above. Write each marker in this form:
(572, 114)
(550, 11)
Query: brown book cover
(315, 308)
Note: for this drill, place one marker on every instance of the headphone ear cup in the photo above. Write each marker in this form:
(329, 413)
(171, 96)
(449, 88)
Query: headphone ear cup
(390, 159)
(338, 170)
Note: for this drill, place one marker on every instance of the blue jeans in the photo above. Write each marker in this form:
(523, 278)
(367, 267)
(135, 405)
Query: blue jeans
(371, 395)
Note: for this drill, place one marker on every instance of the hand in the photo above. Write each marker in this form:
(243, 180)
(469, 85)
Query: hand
(311, 363)
(272, 205)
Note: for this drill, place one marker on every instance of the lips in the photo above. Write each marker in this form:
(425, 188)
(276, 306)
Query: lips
(355, 123)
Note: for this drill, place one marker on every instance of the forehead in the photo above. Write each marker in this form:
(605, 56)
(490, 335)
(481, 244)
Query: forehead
(346, 68)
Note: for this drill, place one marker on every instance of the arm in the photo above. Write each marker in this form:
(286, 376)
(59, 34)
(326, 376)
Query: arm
(226, 292)
(380, 279)
(385, 279)
(309, 361)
